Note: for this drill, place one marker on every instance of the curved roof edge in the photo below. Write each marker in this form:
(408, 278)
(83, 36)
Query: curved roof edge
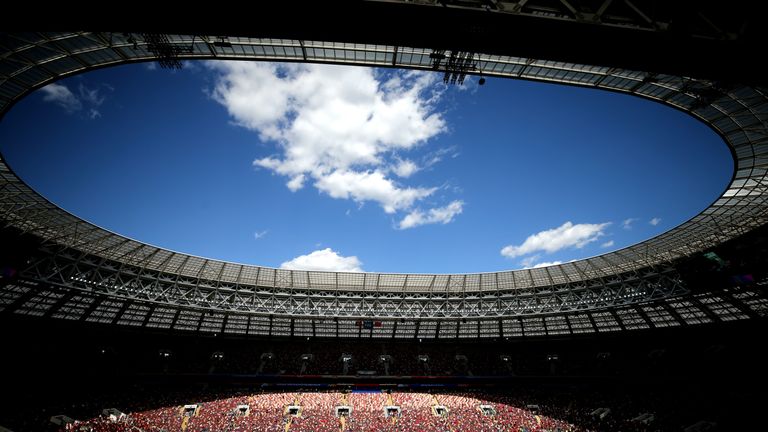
(738, 113)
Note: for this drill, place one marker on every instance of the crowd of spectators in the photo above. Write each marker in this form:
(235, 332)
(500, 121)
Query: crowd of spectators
(365, 411)
(264, 412)
(680, 381)
(317, 412)
(522, 408)
(417, 413)
(369, 413)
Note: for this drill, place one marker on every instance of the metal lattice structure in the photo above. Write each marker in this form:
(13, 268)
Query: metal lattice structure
(705, 22)
(81, 271)
(29, 298)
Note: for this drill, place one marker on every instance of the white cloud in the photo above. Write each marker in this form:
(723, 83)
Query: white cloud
(547, 264)
(257, 235)
(61, 96)
(627, 223)
(324, 260)
(405, 168)
(364, 186)
(91, 96)
(607, 244)
(555, 239)
(327, 117)
(296, 183)
(438, 155)
(337, 128)
(441, 215)
(529, 262)
(470, 84)
(655, 221)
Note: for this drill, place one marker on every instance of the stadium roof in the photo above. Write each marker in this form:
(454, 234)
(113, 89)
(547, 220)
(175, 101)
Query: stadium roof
(694, 57)
(737, 112)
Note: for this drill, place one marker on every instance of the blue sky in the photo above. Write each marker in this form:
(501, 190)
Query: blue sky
(349, 168)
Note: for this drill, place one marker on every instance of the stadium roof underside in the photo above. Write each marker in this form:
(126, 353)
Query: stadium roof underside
(78, 261)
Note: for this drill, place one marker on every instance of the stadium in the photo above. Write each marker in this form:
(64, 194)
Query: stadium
(106, 333)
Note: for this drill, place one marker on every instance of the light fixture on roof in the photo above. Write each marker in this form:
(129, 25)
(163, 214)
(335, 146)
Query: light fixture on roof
(456, 64)
(131, 40)
(222, 42)
(166, 49)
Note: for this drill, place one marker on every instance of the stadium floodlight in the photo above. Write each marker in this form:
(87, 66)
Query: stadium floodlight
(166, 51)
(456, 64)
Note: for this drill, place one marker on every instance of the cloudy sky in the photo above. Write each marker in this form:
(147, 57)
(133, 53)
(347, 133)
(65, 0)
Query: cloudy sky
(357, 169)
